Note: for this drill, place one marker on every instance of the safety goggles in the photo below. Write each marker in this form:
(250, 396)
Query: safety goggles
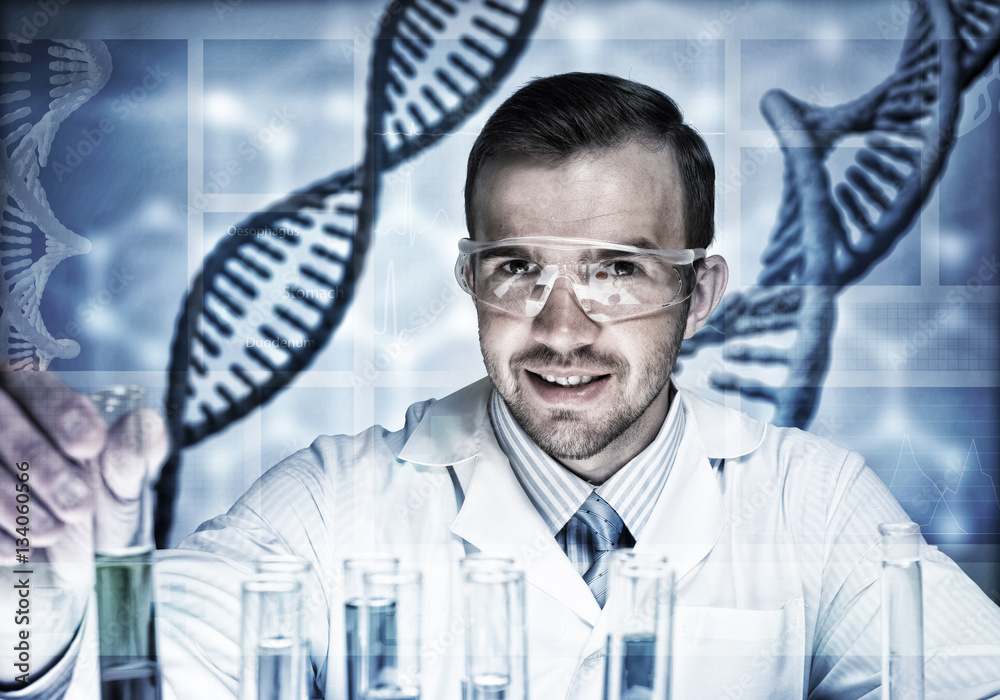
(611, 281)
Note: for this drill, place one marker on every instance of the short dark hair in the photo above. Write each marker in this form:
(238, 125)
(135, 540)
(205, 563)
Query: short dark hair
(558, 117)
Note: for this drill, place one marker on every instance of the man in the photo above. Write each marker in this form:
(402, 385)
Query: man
(589, 203)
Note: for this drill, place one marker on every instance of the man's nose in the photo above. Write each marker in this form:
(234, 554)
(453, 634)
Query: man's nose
(562, 323)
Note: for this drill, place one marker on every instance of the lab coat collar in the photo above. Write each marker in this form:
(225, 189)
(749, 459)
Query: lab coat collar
(450, 431)
(725, 433)
(498, 518)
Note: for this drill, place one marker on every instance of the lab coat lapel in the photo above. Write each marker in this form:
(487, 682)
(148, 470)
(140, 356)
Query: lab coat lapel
(688, 516)
(498, 518)
(496, 515)
(686, 521)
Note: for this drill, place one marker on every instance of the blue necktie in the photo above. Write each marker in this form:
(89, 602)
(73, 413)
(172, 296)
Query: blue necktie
(608, 532)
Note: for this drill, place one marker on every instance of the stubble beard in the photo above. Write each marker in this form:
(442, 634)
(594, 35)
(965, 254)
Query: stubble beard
(568, 434)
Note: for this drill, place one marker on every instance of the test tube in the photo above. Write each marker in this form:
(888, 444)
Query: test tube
(283, 565)
(271, 639)
(902, 613)
(390, 667)
(495, 639)
(356, 627)
(296, 569)
(640, 606)
(123, 557)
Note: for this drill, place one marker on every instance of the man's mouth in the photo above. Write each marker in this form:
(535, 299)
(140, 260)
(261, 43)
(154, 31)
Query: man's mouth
(574, 380)
(563, 384)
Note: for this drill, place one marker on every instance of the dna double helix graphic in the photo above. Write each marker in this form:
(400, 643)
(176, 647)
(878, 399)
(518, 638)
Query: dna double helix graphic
(289, 285)
(265, 305)
(827, 237)
(32, 239)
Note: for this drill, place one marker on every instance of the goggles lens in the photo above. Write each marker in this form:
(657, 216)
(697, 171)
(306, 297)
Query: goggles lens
(611, 281)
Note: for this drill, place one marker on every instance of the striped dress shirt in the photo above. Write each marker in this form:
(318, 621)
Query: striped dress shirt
(558, 493)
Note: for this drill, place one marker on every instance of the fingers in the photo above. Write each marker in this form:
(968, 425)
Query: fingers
(137, 446)
(70, 420)
(57, 488)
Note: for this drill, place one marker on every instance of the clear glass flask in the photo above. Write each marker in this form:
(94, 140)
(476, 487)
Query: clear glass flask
(902, 613)
(392, 623)
(123, 558)
(495, 638)
(640, 604)
(294, 569)
(271, 639)
(357, 645)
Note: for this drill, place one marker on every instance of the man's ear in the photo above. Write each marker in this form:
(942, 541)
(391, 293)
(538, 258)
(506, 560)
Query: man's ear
(709, 288)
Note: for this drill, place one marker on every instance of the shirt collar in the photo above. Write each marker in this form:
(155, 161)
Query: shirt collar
(557, 493)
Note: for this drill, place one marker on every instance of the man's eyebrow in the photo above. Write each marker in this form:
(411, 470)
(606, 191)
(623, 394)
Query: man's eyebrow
(644, 243)
(599, 251)
(505, 251)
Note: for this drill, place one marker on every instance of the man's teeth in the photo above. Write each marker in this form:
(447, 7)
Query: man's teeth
(567, 381)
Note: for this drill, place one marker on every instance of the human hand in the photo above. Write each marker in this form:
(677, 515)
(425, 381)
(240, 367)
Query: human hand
(68, 482)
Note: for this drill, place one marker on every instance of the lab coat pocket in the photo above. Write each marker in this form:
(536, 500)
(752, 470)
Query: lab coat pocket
(735, 654)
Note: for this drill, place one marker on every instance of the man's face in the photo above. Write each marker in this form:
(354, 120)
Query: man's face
(631, 196)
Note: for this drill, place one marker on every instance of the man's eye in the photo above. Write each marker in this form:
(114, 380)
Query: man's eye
(518, 267)
(622, 268)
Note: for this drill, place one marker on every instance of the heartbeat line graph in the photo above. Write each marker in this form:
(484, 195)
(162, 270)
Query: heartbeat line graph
(941, 503)
(390, 303)
(408, 230)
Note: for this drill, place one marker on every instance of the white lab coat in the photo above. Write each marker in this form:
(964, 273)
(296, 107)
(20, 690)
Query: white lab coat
(772, 533)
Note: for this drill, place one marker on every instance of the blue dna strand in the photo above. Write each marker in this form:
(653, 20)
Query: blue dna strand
(827, 237)
(420, 89)
(33, 241)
